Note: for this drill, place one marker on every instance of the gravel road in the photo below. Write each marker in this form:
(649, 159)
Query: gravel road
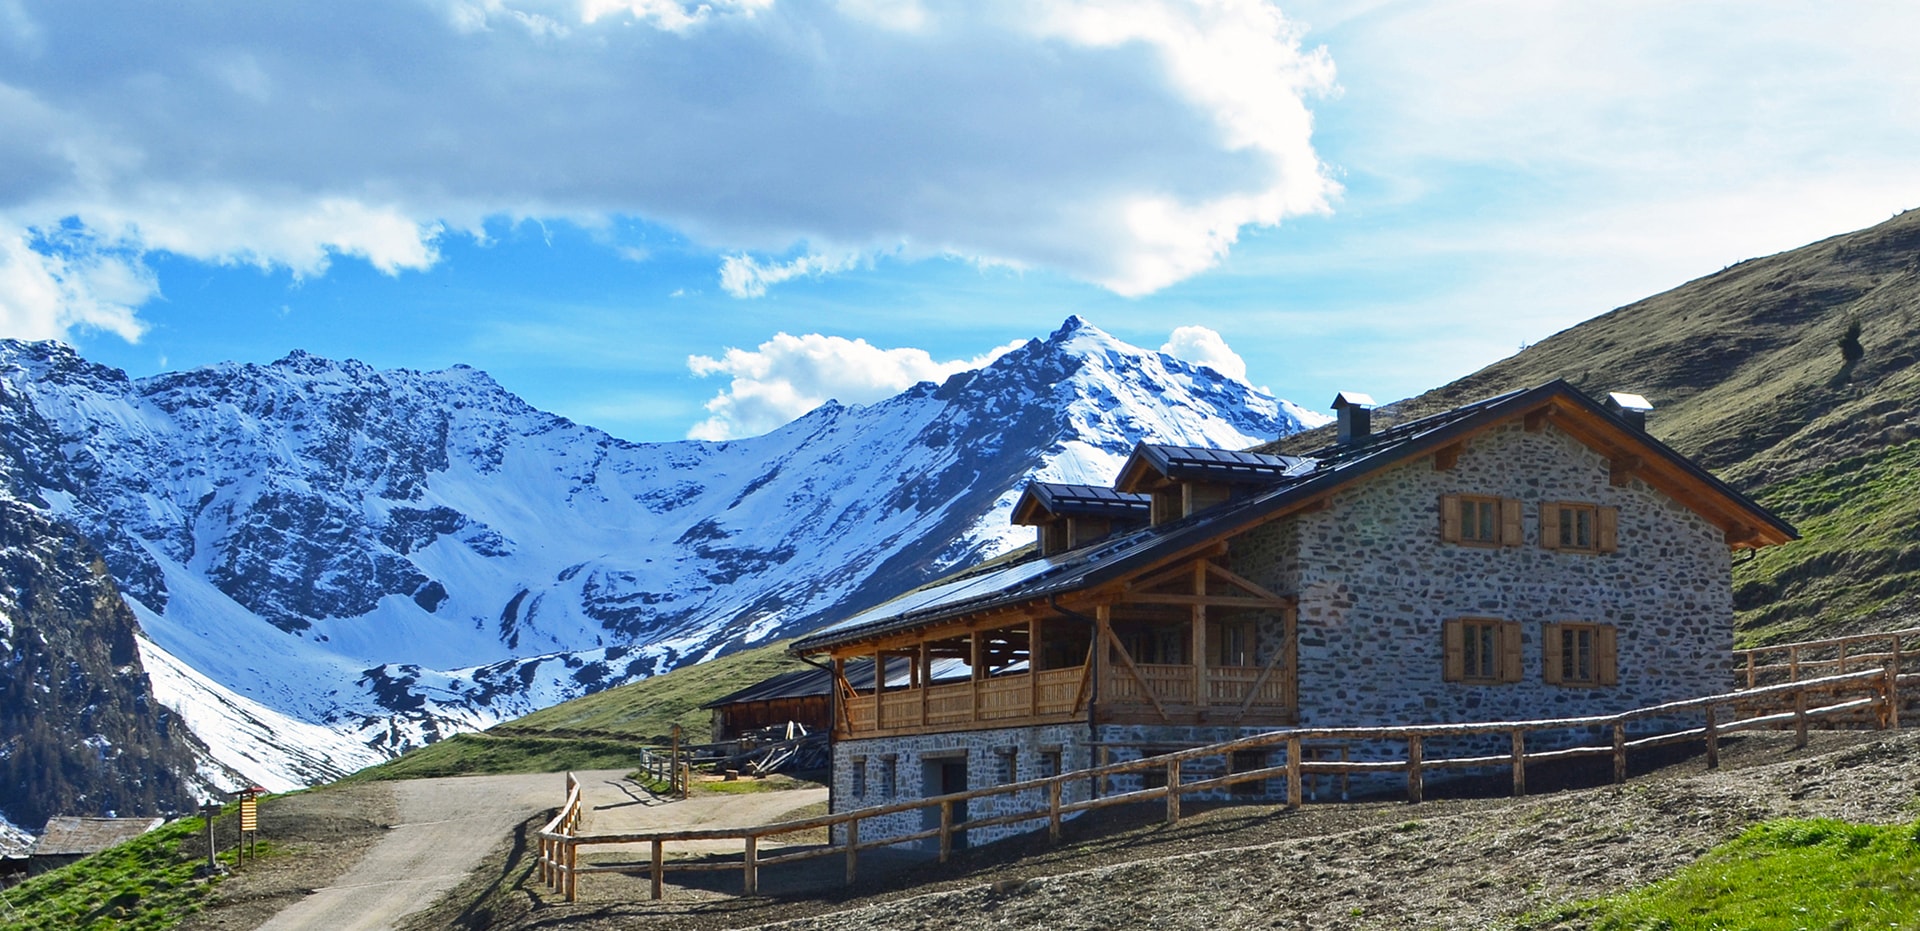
(445, 827)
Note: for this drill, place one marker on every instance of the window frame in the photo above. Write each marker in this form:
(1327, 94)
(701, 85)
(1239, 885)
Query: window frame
(1506, 528)
(1504, 639)
(1559, 665)
(1560, 535)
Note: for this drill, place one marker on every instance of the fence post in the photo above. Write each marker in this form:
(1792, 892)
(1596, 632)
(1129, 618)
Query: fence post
(853, 850)
(1893, 693)
(573, 870)
(1799, 719)
(1752, 671)
(1519, 763)
(750, 866)
(1619, 752)
(1293, 772)
(1793, 664)
(1053, 811)
(1173, 791)
(659, 869)
(1416, 782)
(946, 830)
(1713, 739)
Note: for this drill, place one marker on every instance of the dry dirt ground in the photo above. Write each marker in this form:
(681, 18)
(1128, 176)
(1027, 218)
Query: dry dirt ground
(1447, 863)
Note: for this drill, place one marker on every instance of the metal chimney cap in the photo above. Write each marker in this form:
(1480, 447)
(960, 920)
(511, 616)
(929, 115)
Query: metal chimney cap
(1353, 399)
(1629, 402)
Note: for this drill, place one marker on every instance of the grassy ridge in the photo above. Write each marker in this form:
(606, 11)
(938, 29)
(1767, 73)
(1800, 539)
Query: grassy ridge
(648, 709)
(1858, 559)
(1786, 875)
(146, 884)
(486, 754)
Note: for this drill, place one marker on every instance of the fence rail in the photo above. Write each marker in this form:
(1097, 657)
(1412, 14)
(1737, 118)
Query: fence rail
(1792, 662)
(1867, 696)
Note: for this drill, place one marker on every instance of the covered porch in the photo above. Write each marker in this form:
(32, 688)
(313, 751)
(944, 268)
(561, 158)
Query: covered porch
(1194, 645)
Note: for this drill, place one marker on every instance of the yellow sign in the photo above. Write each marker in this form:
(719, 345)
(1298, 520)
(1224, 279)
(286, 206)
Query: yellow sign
(249, 815)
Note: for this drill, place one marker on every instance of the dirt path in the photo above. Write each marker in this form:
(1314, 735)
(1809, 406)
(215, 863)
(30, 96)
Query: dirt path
(445, 827)
(618, 807)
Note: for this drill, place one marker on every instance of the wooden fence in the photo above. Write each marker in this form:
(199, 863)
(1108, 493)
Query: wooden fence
(1870, 695)
(1792, 662)
(671, 769)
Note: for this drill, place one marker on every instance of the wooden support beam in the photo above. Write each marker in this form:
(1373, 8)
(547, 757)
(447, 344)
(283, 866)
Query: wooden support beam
(1536, 420)
(1199, 636)
(1126, 662)
(1448, 456)
(1248, 585)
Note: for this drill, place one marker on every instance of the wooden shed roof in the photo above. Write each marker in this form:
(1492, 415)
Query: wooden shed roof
(68, 836)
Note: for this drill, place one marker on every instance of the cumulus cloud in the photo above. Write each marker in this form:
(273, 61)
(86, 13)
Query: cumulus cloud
(1202, 346)
(1121, 143)
(790, 375)
(48, 296)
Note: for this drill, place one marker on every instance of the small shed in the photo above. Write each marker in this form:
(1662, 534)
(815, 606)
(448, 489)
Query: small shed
(67, 839)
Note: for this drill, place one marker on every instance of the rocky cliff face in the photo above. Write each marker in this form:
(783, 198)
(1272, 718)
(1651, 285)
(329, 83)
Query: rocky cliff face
(401, 554)
(80, 731)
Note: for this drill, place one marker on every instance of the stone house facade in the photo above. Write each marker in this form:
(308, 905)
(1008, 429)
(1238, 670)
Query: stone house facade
(1533, 555)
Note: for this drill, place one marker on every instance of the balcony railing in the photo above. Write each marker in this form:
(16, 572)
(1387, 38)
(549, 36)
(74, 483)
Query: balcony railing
(1058, 694)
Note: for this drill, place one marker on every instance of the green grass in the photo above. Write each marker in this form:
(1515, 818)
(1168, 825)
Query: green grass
(145, 884)
(1858, 561)
(1788, 874)
(648, 709)
(485, 753)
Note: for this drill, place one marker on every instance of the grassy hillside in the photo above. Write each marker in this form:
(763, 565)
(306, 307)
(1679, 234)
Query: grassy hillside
(1793, 378)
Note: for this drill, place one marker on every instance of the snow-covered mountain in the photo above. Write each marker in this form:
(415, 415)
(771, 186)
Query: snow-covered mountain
(397, 555)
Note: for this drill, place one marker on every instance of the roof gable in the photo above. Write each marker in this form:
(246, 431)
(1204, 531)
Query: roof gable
(1041, 502)
(1155, 464)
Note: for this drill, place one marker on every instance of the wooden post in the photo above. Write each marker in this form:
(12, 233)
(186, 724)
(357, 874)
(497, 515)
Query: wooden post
(1843, 659)
(946, 830)
(1416, 781)
(1199, 636)
(1293, 772)
(1053, 811)
(1619, 752)
(1799, 719)
(1519, 763)
(853, 850)
(673, 764)
(659, 870)
(1893, 694)
(573, 871)
(1793, 664)
(1173, 791)
(750, 866)
(1713, 740)
(978, 659)
(1033, 665)
(840, 717)
(1753, 671)
(926, 678)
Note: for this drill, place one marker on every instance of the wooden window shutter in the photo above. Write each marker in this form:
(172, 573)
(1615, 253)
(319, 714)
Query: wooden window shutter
(1510, 530)
(1549, 525)
(1512, 655)
(1450, 518)
(1454, 644)
(1606, 533)
(1550, 654)
(1606, 656)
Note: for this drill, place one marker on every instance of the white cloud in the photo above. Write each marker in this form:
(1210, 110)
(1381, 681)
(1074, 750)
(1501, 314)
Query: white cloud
(790, 375)
(48, 296)
(1126, 144)
(745, 276)
(1202, 346)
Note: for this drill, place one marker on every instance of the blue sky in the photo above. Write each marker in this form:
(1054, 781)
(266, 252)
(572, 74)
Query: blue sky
(618, 207)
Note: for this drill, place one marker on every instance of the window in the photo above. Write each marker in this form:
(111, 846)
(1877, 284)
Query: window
(1481, 651)
(1230, 643)
(1050, 762)
(1480, 520)
(884, 776)
(1578, 528)
(1007, 764)
(859, 777)
(1580, 654)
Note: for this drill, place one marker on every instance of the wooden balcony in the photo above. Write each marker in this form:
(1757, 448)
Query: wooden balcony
(1159, 694)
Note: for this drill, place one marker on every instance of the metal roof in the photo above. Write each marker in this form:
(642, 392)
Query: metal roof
(1064, 500)
(1305, 478)
(1213, 465)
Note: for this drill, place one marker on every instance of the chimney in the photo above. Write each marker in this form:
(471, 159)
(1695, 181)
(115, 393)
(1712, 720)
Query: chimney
(1356, 416)
(1631, 408)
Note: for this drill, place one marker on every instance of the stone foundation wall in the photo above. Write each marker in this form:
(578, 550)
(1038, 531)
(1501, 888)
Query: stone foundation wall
(897, 769)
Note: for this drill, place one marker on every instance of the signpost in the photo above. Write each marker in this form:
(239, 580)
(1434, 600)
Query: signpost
(249, 824)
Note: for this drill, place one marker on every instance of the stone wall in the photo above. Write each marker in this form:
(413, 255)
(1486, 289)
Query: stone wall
(1376, 583)
(897, 769)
